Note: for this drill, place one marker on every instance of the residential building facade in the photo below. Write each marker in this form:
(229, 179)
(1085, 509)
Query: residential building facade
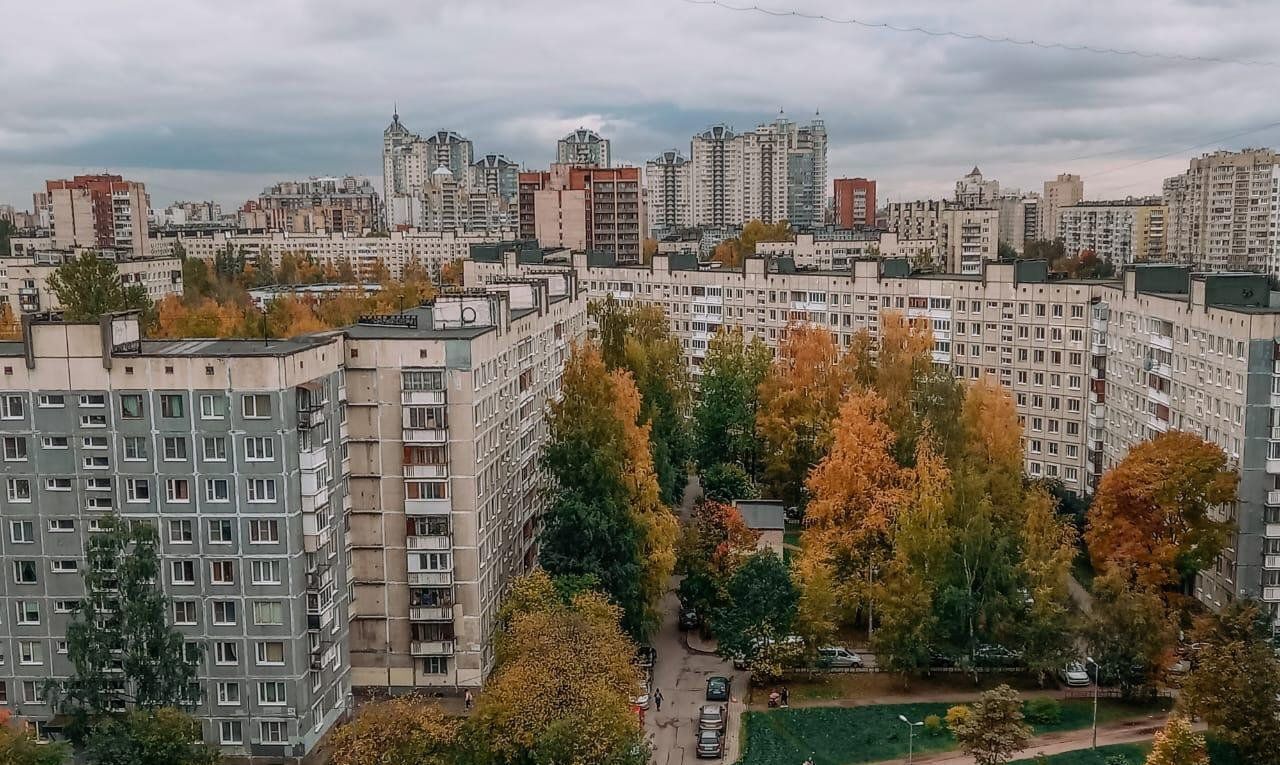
(584, 208)
(408, 162)
(1019, 218)
(583, 148)
(24, 276)
(347, 204)
(105, 213)
(1065, 190)
(1121, 232)
(966, 237)
(668, 186)
(974, 191)
(855, 202)
(1224, 211)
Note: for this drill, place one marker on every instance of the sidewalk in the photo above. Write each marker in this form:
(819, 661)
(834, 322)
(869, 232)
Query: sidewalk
(694, 641)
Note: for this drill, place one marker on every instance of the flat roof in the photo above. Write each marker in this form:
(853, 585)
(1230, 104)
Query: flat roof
(200, 347)
(761, 514)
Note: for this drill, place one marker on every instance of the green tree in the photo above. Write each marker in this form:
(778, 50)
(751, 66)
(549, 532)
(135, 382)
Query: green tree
(19, 745)
(1128, 633)
(725, 482)
(713, 545)
(122, 623)
(196, 283)
(991, 729)
(758, 614)
(1178, 744)
(162, 736)
(7, 230)
(1005, 251)
(1235, 686)
(88, 287)
(407, 730)
(724, 418)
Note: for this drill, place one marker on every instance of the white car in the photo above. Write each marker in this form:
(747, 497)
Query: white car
(1074, 675)
(641, 699)
(836, 656)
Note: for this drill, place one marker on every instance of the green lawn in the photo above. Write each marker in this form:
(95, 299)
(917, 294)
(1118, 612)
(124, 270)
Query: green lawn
(846, 735)
(1135, 753)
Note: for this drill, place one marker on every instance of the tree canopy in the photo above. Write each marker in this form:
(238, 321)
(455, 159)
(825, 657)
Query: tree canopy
(724, 417)
(991, 729)
(408, 730)
(88, 287)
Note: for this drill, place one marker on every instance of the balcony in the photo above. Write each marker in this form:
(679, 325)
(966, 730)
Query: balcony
(426, 471)
(1158, 396)
(310, 416)
(1163, 342)
(430, 614)
(434, 542)
(422, 397)
(431, 647)
(430, 578)
(427, 506)
(1271, 531)
(425, 435)
(1273, 497)
(1271, 594)
(1273, 466)
(312, 460)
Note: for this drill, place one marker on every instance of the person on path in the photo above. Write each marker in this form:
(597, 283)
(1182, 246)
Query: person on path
(467, 700)
(657, 699)
(786, 697)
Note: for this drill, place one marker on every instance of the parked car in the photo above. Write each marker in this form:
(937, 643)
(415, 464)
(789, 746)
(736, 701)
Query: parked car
(1074, 675)
(837, 656)
(939, 659)
(641, 699)
(713, 717)
(689, 619)
(718, 688)
(996, 656)
(646, 656)
(710, 744)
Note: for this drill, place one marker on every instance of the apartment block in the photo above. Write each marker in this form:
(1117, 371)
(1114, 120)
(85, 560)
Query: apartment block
(1121, 232)
(1065, 190)
(718, 180)
(408, 160)
(584, 208)
(966, 237)
(584, 148)
(668, 188)
(347, 204)
(445, 416)
(855, 202)
(233, 451)
(974, 191)
(1019, 218)
(1224, 211)
(101, 212)
(832, 249)
(24, 276)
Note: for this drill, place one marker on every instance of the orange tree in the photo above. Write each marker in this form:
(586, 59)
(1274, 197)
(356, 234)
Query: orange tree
(712, 546)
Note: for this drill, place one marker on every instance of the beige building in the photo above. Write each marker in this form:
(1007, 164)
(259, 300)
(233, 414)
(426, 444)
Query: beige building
(444, 411)
(965, 237)
(1065, 190)
(347, 204)
(1121, 232)
(1019, 219)
(833, 251)
(974, 191)
(1224, 211)
(100, 212)
(668, 188)
(24, 276)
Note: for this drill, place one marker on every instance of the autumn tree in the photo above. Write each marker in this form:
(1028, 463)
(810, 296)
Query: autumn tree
(408, 730)
(799, 399)
(451, 273)
(1128, 633)
(713, 545)
(724, 417)
(757, 615)
(163, 736)
(855, 494)
(562, 685)
(1048, 545)
(88, 287)
(10, 326)
(1154, 516)
(20, 746)
(1235, 685)
(990, 730)
(649, 248)
(1177, 744)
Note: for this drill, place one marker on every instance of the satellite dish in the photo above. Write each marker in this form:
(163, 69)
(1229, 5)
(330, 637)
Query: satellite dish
(1147, 363)
(468, 315)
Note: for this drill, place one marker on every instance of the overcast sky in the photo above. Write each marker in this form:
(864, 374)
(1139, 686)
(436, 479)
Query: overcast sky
(215, 100)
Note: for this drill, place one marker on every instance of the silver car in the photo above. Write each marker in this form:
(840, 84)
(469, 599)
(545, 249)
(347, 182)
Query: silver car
(836, 656)
(713, 717)
(1074, 675)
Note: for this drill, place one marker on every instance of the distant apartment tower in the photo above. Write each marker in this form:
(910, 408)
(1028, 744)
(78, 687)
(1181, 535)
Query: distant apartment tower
(348, 204)
(1019, 218)
(585, 148)
(1224, 211)
(974, 191)
(189, 213)
(584, 208)
(668, 183)
(966, 238)
(496, 175)
(408, 160)
(807, 174)
(1065, 190)
(855, 202)
(446, 416)
(105, 213)
(1121, 232)
(717, 177)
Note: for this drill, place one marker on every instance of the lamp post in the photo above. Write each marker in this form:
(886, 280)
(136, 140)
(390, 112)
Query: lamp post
(1097, 678)
(911, 736)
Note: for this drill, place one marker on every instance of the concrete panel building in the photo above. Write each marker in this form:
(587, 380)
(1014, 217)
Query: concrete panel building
(966, 237)
(855, 202)
(584, 208)
(1224, 211)
(322, 204)
(1065, 190)
(668, 187)
(1121, 232)
(105, 213)
(583, 148)
(24, 276)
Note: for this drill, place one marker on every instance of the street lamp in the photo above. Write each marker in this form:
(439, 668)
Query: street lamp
(911, 736)
(1097, 679)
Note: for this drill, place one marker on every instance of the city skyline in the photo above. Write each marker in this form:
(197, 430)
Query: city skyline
(1022, 115)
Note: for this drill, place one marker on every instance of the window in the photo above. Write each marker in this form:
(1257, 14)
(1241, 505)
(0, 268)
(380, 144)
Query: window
(263, 532)
(19, 490)
(24, 572)
(30, 652)
(222, 572)
(15, 449)
(433, 562)
(262, 490)
(271, 694)
(57, 484)
(216, 490)
(270, 652)
(257, 406)
(94, 442)
(131, 406)
(268, 613)
(259, 449)
(93, 400)
(170, 405)
(135, 448)
(64, 566)
(226, 654)
(98, 484)
(175, 448)
(51, 401)
(426, 490)
(12, 407)
(177, 490)
(180, 532)
(22, 532)
(137, 490)
(32, 691)
(215, 449)
(266, 571)
(28, 612)
(224, 612)
(213, 407)
(183, 571)
(220, 531)
(435, 665)
(54, 442)
(229, 732)
(274, 731)
(96, 462)
(228, 694)
(61, 525)
(184, 612)
(422, 380)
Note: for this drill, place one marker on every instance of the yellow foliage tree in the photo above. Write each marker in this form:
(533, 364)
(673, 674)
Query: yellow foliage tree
(1177, 744)
(409, 730)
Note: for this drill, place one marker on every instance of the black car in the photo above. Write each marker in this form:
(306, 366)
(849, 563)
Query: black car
(710, 744)
(688, 619)
(646, 656)
(718, 688)
(938, 659)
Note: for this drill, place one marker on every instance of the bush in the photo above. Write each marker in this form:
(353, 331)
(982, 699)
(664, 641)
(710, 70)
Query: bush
(1118, 759)
(933, 725)
(1042, 711)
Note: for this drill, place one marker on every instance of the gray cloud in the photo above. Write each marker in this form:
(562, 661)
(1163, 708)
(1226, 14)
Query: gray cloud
(207, 99)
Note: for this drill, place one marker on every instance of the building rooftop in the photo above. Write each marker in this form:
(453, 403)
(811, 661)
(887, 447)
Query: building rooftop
(761, 514)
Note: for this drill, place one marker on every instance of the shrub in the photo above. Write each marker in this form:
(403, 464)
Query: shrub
(1042, 711)
(933, 725)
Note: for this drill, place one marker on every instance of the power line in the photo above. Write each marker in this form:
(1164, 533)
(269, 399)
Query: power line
(995, 39)
(1175, 152)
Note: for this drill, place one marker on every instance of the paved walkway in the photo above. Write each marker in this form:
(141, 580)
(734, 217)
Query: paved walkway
(1082, 597)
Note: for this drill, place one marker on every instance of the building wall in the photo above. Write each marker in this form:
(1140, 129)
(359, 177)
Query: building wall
(668, 183)
(1124, 232)
(24, 280)
(1224, 212)
(855, 202)
(102, 212)
(1065, 190)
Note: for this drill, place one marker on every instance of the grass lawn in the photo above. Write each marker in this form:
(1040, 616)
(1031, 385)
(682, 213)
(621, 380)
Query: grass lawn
(846, 735)
(1135, 753)
(871, 686)
(791, 535)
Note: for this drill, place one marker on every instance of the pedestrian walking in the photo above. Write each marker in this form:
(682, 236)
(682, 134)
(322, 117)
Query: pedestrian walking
(467, 700)
(657, 699)
(786, 697)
